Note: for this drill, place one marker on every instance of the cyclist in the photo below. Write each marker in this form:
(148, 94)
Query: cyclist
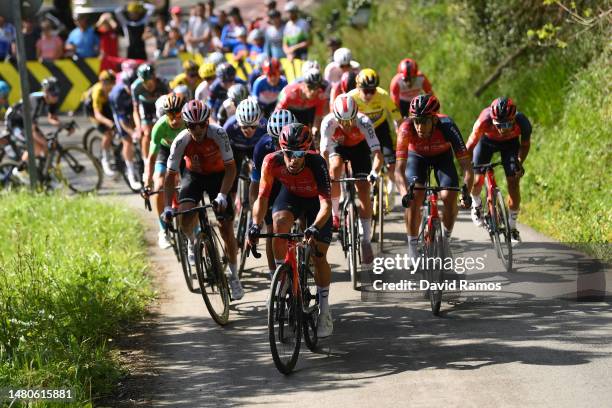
(5, 89)
(346, 84)
(500, 128)
(304, 190)
(375, 103)
(269, 144)
(208, 75)
(226, 77)
(145, 91)
(210, 168)
(98, 109)
(268, 86)
(342, 62)
(120, 99)
(349, 135)
(408, 83)
(426, 139)
(164, 132)
(190, 77)
(235, 94)
(306, 100)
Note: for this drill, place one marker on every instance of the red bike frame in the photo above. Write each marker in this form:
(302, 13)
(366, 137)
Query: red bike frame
(432, 198)
(291, 259)
(491, 186)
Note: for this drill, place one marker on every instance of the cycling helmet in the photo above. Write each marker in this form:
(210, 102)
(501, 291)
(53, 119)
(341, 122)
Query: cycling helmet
(308, 65)
(367, 79)
(348, 81)
(50, 85)
(238, 93)
(5, 89)
(345, 107)
(106, 76)
(128, 78)
(195, 111)
(226, 72)
(182, 90)
(407, 68)
(424, 105)
(146, 72)
(216, 58)
(343, 56)
(295, 137)
(248, 112)
(173, 103)
(189, 65)
(271, 67)
(313, 77)
(503, 109)
(207, 70)
(129, 66)
(278, 120)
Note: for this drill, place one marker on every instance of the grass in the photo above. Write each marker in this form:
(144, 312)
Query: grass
(565, 94)
(71, 277)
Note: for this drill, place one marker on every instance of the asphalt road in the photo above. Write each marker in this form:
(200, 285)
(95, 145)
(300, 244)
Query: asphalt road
(529, 344)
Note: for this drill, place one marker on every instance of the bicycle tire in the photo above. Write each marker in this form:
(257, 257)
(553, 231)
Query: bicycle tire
(375, 210)
(502, 232)
(310, 302)
(284, 313)
(89, 133)
(241, 239)
(70, 166)
(436, 249)
(186, 267)
(353, 244)
(212, 280)
(94, 146)
(8, 182)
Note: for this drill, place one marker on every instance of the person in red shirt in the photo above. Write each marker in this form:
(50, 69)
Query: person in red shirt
(106, 28)
(428, 138)
(408, 83)
(348, 82)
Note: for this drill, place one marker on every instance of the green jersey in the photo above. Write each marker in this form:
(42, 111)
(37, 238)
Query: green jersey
(163, 135)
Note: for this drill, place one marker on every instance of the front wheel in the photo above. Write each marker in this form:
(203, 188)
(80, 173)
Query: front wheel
(435, 252)
(212, 280)
(183, 255)
(353, 243)
(502, 235)
(79, 170)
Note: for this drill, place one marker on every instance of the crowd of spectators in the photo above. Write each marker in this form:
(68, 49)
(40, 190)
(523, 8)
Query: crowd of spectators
(202, 28)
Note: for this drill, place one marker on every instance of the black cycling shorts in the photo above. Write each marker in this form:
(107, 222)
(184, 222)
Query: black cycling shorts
(443, 164)
(304, 116)
(404, 108)
(358, 156)
(308, 207)
(147, 113)
(509, 151)
(383, 133)
(194, 185)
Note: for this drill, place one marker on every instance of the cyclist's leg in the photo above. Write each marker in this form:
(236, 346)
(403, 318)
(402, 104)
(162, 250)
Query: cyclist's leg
(446, 172)
(483, 152)
(159, 174)
(416, 169)
(269, 228)
(226, 225)
(509, 155)
(40, 143)
(383, 132)
(190, 194)
(285, 210)
(336, 168)
(361, 163)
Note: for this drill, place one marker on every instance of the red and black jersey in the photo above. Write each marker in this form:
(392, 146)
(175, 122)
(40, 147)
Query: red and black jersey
(445, 135)
(484, 127)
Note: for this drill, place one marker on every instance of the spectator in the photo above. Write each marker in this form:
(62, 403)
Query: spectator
(83, 41)
(198, 33)
(7, 39)
(50, 46)
(242, 48)
(229, 34)
(159, 32)
(177, 22)
(210, 12)
(31, 34)
(256, 40)
(295, 34)
(215, 39)
(274, 36)
(174, 45)
(333, 43)
(106, 28)
(133, 19)
(270, 6)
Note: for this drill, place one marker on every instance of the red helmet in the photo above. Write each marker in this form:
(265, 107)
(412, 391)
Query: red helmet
(424, 105)
(295, 137)
(407, 68)
(348, 81)
(271, 67)
(503, 109)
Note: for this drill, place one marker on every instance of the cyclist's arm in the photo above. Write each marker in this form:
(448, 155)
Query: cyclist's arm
(265, 187)
(401, 157)
(394, 90)
(228, 177)
(154, 146)
(367, 129)
(321, 175)
(52, 115)
(525, 126)
(427, 85)
(229, 163)
(453, 135)
(177, 151)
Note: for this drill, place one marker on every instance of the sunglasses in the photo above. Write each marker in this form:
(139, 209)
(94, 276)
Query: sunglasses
(174, 114)
(420, 120)
(369, 91)
(313, 87)
(250, 127)
(345, 123)
(503, 125)
(294, 154)
(202, 125)
(192, 74)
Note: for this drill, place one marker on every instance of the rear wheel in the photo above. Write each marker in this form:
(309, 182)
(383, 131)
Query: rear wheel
(188, 269)
(353, 244)
(79, 170)
(212, 280)
(310, 302)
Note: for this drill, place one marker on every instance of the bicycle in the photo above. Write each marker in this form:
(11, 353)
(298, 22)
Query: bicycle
(293, 306)
(92, 142)
(10, 158)
(432, 247)
(244, 216)
(496, 218)
(380, 196)
(209, 266)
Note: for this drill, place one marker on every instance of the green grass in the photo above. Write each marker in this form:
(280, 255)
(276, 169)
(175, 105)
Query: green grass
(71, 277)
(564, 92)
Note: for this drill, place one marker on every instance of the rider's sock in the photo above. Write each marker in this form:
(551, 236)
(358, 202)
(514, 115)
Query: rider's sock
(129, 165)
(162, 226)
(323, 298)
(271, 273)
(512, 219)
(365, 228)
(105, 154)
(447, 232)
(234, 270)
(476, 200)
(412, 245)
(335, 206)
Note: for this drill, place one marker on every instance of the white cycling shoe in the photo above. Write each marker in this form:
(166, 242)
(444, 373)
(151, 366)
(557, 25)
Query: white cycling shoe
(236, 288)
(162, 240)
(191, 254)
(325, 327)
(134, 184)
(106, 167)
(476, 213)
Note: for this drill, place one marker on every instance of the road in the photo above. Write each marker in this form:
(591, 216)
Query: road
(529, 344)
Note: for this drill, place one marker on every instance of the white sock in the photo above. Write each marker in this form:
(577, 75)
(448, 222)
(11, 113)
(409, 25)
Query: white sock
(365, 229)
(271, 273)
(323, 298)
(129, 166)
(105, 154)
(412, 246)
(512, 218)
(476, 200)
(336, 206)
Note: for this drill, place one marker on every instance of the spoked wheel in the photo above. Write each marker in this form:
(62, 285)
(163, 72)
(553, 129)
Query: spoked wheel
(284, 321)
(8, 182)
(241, 239)
(353, 244)
(94, 146)
(183, 253)
(502, 234)
(435, 249)
(310, 303)
(78, 169)
(212, 280)
(88, 136)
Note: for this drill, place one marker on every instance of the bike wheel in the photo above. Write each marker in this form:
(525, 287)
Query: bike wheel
(435, 248)
(241, 239)
(8, 182)
(79, 170)
(375, 209)
(284, 321)
(94, 147)
(502, 236)
(88, 136)
(353, 244)
(310, 302)
(183, 255)
(212, 280)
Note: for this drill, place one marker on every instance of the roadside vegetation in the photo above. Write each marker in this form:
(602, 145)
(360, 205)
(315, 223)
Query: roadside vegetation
(71, 277)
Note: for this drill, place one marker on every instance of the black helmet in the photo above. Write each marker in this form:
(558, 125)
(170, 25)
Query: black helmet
(50, 85)
(226, 72)
(295, 137)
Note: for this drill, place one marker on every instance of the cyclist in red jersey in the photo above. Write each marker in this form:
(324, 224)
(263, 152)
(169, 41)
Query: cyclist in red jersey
(210, 168)
(304, 190)
(500, 127)
(348, 82)
(424, 140)
(408, 83)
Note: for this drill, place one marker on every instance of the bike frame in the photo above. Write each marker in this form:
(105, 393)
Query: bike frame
(491, 187)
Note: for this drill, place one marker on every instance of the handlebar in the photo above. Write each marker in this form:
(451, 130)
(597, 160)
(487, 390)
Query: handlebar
(64, 126)
(349, 179)
(291, 236)
(145, 193)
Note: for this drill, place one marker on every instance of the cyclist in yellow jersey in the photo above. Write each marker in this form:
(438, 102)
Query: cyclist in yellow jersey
(189, 77)
(101, 113)
(376, 103)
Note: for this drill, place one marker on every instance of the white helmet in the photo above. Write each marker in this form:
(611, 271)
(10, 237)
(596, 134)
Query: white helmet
(343, 56)
(313, 77)
(345, 107)
(307, 65)
(278, 119)
(238, 93)
(248, 112)
(182, 90)
(216, 58)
